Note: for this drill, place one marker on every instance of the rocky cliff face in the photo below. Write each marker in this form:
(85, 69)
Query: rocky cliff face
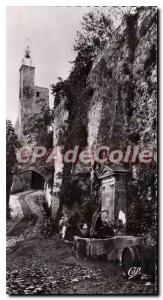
(123, 80)
(119, 102)
(123, 108)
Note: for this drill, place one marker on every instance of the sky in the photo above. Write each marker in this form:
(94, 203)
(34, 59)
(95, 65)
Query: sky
(51, 32)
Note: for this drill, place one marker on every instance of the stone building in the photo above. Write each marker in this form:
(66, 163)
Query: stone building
(32, 99)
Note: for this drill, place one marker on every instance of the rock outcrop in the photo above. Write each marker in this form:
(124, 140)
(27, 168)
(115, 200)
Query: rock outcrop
(117, 105)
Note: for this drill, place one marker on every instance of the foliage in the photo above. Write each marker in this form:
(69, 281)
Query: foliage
(38, 128)
(96, 30)
(71, 192)
(73, 92)
(12, 144)
(61, 90)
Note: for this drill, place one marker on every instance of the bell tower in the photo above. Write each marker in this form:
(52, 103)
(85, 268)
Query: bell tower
(26, 89)
(27, 72)
(33, 100)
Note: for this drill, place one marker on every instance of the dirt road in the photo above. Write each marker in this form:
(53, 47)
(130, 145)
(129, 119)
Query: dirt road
(48, 266)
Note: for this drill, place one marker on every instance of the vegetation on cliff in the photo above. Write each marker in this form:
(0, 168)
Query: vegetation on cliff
(116, 67)
(12, 144)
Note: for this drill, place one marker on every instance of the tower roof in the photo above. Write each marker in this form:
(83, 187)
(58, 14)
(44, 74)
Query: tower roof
(27, 57)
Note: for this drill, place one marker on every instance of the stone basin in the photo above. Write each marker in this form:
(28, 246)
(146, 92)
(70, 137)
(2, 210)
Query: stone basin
(109, 249)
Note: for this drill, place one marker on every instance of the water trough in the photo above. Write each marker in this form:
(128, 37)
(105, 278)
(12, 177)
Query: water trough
(109, 249)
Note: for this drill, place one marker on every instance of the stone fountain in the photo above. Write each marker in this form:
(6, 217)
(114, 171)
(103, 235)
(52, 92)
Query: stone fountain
(112, 208)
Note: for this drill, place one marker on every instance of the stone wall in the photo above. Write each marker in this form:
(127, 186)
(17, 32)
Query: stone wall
(26, 204)
(21, 182)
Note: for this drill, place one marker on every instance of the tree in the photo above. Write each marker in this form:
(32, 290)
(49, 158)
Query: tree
(12, 145)
(96, 31)
(38, 128)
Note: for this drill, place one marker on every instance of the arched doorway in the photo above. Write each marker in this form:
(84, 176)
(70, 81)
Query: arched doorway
(37, 181)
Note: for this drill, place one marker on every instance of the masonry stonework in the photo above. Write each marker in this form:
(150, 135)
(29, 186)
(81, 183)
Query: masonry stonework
(32, 99)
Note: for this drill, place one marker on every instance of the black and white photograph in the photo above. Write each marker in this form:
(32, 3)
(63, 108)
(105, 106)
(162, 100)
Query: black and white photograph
(81, 150)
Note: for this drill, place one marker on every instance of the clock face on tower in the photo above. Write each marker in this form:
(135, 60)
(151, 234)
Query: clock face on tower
(28, 91)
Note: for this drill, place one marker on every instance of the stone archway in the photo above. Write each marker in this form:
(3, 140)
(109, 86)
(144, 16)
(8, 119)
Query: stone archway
(30, 177)
(45, 173)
